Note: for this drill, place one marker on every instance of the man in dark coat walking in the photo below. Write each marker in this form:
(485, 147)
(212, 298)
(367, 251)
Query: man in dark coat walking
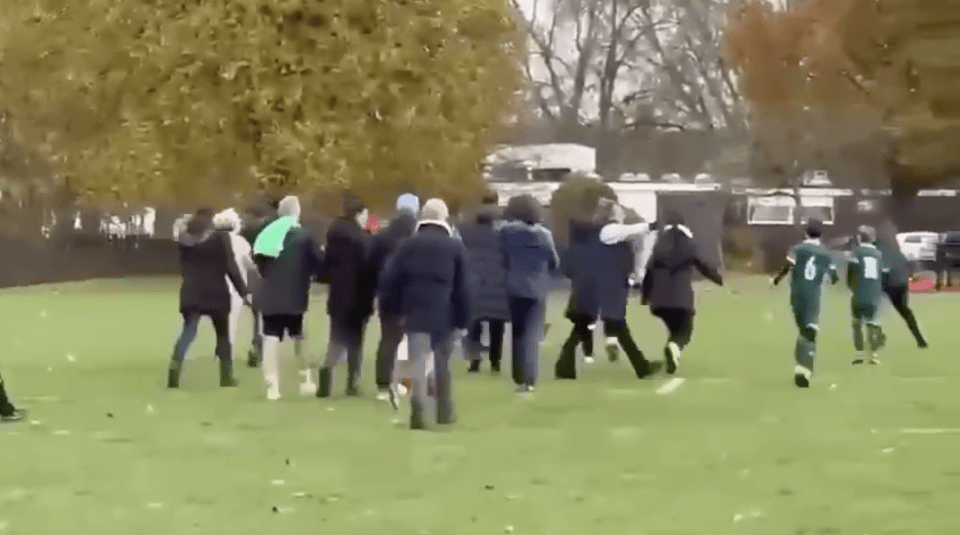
(487, 265)
(385, 243)
(207, 262)
(615, 261)
(584, 305)
(426, 284)
(668, 285)
(350, 299)
(8, 412)
(289, 260)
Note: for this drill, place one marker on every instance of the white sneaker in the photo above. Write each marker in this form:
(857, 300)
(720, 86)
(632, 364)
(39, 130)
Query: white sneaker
(273, 393)
(588, 360)
(308, 388)
(672, 353)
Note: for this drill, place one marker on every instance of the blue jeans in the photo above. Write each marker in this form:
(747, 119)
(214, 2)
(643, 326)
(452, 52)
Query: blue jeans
(528, 317)
(191, 323)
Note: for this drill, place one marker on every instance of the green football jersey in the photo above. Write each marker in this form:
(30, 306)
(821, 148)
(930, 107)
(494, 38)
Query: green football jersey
(866, 270)
(811, 262)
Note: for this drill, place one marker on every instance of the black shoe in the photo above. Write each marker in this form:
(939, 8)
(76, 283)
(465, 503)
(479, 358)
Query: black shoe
(858, 360)
(253, 358)
(474, 367)
(226, 374)
(353, 391)
(13, 415)
(922, 344)
(495, 367)
(324, 383)
(173, 377)
(801, 380)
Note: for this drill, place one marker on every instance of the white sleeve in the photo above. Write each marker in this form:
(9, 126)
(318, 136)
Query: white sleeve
(617, 232)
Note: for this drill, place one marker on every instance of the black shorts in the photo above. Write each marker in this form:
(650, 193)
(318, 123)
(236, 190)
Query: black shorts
(280, 324)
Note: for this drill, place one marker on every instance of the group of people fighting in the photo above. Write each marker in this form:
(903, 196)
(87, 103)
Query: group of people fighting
(434, 283)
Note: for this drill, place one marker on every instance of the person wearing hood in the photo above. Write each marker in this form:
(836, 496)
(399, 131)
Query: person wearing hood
(487, 264)
(667, 285)
(289, 260)
(207, 262)
(896, 282)
(583, 308)
(385, 243)
(228, 221)
(8, 411)
(425, 283)
(532, 262)
(350, 299)
(614, 261)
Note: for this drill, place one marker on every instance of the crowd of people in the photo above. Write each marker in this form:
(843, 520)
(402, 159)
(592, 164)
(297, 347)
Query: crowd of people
(432, 282)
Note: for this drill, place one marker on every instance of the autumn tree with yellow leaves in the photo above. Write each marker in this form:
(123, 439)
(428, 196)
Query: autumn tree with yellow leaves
(199, 100)
(829, 74)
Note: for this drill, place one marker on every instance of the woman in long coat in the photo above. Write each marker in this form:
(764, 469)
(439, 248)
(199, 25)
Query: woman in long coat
(668, 285)
(487, 264)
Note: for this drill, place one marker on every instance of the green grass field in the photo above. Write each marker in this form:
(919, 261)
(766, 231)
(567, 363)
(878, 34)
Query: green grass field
(735, 449)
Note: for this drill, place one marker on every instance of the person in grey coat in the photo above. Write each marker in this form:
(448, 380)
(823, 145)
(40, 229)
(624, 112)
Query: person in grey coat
(668, 284)
(532, 263)
(425, 282)
(487, 261)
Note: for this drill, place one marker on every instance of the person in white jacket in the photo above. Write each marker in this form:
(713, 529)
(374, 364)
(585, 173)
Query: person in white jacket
(229, 221)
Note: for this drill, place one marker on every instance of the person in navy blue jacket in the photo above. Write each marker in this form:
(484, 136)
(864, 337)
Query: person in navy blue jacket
(584, 305)
(615, 261)
(532, 262)
(425, 283)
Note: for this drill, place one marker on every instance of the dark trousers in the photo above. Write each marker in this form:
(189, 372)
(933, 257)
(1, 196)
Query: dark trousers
(391, 334)
(528, 317)
(899, 297)
(257, 340)
(619, 329)
(580, 334)
(346, 342)
(474, 343)
(6, 408)
(191, 323)
(679, 323)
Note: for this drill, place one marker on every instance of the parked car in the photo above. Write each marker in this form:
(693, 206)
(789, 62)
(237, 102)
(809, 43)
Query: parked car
(947, 258)
(920, 248)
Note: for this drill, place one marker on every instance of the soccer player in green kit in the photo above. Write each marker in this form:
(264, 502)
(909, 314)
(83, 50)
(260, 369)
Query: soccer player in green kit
(865, 273)
(807, 263)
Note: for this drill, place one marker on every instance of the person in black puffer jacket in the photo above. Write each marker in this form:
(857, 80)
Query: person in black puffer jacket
(385, 243)
(584, 305)
(668, 284)
(487, 265)
(207, 261)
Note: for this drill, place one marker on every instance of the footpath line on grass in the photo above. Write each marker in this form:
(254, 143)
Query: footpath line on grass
(931, 431)
(671, 386)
